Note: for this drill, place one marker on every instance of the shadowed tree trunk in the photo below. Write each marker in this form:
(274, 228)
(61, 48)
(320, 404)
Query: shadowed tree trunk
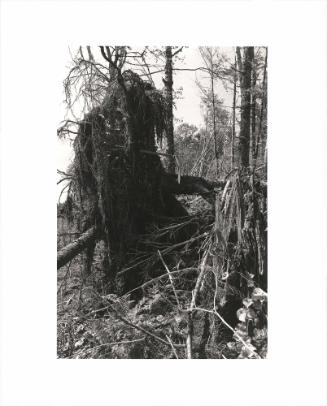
(70, 251)
(234, 116)
(253, 115)
(261, 138)
(168, 81)
(245, 68)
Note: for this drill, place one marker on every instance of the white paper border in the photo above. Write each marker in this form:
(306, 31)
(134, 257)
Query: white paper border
(34, 40)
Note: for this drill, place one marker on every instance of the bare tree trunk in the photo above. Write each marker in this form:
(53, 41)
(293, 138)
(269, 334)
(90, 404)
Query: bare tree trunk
(253, 116)
(205, 337)
(245, 80)
(168, 81)
(214, 119)
(260, 139)
(234, 108)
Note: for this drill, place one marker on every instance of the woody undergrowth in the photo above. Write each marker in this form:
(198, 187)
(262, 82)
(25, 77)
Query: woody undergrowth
(224, 266)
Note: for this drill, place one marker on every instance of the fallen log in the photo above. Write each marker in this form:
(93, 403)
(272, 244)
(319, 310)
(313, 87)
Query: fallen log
(189, 185)
(195, 185)
(71, 250)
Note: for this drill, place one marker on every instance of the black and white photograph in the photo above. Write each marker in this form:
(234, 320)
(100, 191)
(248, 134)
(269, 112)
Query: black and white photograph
(162, 203)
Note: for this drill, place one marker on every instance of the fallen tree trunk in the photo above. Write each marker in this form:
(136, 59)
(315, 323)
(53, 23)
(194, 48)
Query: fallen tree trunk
(69, 252)
(189, 185)
(195, 185)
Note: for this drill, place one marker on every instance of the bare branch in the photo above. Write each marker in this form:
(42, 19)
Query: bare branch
(170, 278)
(178, 51)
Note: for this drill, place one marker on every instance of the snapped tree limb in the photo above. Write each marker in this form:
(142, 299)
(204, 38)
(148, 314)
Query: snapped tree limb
(70, 251)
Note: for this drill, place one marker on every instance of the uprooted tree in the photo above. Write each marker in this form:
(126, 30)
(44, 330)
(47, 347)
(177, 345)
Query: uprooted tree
(119, 192)
(118, 182)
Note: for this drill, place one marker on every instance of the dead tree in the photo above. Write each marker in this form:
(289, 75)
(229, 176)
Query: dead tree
(168, 81)
(245, 65)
